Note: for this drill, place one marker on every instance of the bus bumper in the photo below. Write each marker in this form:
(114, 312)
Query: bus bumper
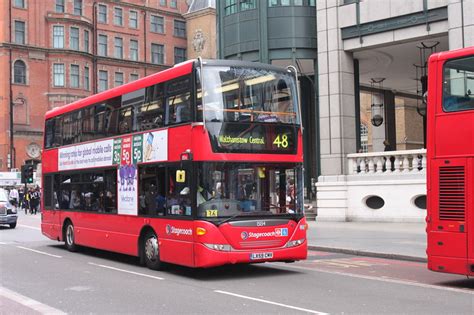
(451, 265)
(206, 257)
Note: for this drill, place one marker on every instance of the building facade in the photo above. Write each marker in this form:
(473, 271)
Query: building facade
(53, 52)
(362, 64)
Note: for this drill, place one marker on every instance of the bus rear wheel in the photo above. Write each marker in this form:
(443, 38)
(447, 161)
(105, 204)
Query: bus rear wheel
(69, 238)
(151, 251)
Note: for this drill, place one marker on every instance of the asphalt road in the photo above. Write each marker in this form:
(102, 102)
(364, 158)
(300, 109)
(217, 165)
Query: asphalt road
(39, 276)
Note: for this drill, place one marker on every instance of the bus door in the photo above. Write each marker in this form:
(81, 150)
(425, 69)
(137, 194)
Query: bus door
(166, 193)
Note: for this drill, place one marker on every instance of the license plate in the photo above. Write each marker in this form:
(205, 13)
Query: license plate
(254, 256)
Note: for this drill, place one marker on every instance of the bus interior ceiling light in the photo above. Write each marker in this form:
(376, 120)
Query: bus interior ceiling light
(259, 80)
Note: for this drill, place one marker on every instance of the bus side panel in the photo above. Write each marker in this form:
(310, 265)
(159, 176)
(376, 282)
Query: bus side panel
(118, 233)
(51, 224)
(454, 134)
(175, 241)
(179, 141)
(470, 217)
(49, 161)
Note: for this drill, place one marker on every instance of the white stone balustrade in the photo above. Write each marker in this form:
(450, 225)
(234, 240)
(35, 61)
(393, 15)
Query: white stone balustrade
(390, 162)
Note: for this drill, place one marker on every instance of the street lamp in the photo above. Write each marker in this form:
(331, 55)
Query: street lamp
(376, 107)
(426, 49)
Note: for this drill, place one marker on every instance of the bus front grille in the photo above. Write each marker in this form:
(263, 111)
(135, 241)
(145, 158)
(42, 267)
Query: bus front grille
(260, 244)
(452, 193)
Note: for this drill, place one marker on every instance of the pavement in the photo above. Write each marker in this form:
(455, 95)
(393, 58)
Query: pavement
(405, 241)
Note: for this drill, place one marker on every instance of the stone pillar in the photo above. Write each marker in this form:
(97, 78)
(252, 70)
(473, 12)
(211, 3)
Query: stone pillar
(336, 92)
(201, 33)
(337, 114)
(461, 23)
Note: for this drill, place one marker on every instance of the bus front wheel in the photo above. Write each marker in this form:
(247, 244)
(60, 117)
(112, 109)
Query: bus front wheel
(69, 238)
(151, 251)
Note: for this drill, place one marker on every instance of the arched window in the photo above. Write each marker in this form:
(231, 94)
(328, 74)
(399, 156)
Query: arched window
(19, 72)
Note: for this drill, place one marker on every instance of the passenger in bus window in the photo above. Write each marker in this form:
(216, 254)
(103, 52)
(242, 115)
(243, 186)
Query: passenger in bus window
(64, 202)
(75, 201)
(183, 111)
(150, 199)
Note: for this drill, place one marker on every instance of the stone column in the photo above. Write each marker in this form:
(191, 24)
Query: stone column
(336, 92)
(336, 113)
(461, 23)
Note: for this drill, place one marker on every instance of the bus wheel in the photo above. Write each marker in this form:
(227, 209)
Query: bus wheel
(69, 238)
(151, 251)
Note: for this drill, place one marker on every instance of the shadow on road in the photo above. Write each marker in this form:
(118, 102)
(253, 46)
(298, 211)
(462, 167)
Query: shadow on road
(459, 284)
(238, 271)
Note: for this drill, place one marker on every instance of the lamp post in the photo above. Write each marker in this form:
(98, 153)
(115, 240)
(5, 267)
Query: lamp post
(376, 107)
(426, 49)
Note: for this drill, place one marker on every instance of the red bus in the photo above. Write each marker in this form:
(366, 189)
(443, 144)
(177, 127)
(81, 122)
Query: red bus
(199, 165)
(450, 179)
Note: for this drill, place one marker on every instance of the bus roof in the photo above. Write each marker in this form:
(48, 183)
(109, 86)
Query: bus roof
(168, 74)
(452, 54)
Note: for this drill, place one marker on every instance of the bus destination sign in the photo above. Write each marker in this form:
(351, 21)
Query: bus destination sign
(232, 137)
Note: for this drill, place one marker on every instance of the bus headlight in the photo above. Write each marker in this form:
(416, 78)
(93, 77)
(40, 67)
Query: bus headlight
(219, 247)
(295, 243)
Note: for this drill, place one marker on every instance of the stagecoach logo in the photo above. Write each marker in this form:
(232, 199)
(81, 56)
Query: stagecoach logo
(278, 232)
(178, 231)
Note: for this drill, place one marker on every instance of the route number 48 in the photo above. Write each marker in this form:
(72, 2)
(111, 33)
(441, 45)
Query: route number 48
(281, 141)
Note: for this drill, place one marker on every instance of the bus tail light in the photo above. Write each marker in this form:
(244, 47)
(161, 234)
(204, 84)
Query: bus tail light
(219, 247)
(295, 243)
(200, 231)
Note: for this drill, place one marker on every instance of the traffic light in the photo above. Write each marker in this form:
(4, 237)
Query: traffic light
(27, 174)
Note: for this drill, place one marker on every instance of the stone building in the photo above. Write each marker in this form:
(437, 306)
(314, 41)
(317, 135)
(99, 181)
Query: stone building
(361, 64)
(53, 52)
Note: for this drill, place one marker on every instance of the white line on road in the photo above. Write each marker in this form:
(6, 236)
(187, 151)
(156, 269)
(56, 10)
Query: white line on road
(39, 252)
(2, 243)
(26, 301)
(391, 280)
(30, 227)
(127, 271)
(269, 302)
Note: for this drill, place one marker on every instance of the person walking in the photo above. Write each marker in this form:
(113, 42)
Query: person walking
(35, 200)
(14, 197)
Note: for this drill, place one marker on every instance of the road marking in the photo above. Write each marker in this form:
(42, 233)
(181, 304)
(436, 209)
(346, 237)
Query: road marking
(30, 227)
(2, 243)
(127, 271)
(270, 302)
(39, 252)
(391, 280)
(26, 301)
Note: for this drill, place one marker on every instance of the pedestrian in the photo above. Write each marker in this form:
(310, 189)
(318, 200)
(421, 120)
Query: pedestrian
(35, 200)
(25, 202)
(14, 197)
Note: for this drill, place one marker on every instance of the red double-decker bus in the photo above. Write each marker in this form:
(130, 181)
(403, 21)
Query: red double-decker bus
(199, 165)
(451, 162)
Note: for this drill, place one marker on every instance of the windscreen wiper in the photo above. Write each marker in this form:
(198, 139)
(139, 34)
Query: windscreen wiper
(228, 219)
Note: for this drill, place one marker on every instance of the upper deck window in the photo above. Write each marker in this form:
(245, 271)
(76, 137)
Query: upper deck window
(458, 85)
(236, 94)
